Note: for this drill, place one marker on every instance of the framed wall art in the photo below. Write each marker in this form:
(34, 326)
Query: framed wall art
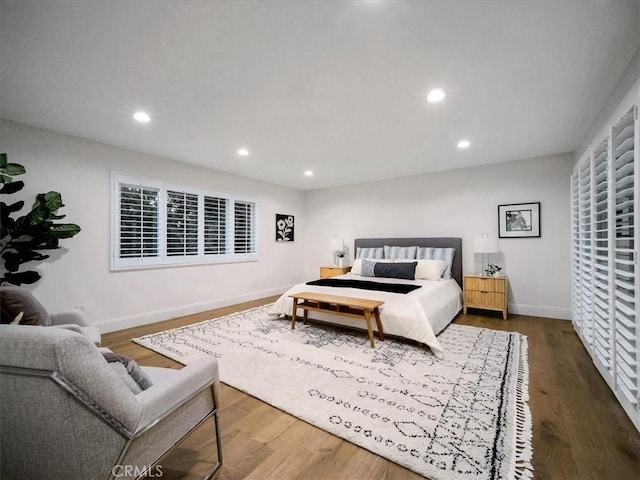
(285, 226)
(519, 220)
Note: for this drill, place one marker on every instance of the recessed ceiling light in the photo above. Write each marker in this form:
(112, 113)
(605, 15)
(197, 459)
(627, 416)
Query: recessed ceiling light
(142, 117)
(462, 144)
(436, 95)
(308, 173)
(243, 152)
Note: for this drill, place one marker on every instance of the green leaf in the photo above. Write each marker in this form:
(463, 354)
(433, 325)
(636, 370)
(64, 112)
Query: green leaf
(7, 226)
(65, 230)
(15, 207)
(13, 169)
(12, 187)
(19, 278)
(11, 261)
(53, 201)
(8, 170)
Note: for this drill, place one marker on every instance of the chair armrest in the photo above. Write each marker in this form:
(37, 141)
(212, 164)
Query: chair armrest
(69, 326)
(168, 395)
(72, 316)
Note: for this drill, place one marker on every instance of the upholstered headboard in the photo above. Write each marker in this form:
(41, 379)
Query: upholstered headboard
(436, 242)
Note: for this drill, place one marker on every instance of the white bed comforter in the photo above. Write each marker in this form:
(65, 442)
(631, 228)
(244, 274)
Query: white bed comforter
(419, 315)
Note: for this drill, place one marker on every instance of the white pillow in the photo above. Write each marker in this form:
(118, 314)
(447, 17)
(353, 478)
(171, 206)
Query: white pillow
(400, 253)
(431, 269)
(432, 253)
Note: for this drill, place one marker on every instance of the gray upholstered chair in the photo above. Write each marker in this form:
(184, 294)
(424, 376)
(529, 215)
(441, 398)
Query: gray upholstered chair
(66, 414)
(18, 305)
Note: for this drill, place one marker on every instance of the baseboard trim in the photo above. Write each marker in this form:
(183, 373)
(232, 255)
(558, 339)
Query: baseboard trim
(540, 311)
(114, 324)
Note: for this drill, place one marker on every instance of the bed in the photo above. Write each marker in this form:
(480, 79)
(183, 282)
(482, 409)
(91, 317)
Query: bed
(419, 315)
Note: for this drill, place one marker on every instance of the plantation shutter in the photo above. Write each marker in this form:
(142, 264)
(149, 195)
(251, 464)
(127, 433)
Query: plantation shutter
(602, 338)
(606, 204)
(155, 223)
(244, 227)
(625, 249)
(182, 224)
(586, 246)
(138, 222)
(215, 225)
(576, 284)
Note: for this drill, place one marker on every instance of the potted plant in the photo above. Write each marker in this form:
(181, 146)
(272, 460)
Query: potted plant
(23, 238)
(492, 270)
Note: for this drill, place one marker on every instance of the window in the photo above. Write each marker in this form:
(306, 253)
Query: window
(182, 224)
(138, 222)
(244, 234)
(215, 225)
(161, 224)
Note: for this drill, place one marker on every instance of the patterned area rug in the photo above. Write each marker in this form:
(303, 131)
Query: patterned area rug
(464, 417)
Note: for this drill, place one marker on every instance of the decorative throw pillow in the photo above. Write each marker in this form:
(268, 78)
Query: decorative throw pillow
(19, 304)
(430, 269)
(404, 270)
(368, 268)
(129, 371)
(400, 253)
(372, 252)
(446, 254)
(356, 268)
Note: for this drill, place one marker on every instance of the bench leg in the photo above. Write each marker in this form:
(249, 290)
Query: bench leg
(367, 318)
(376, 312)
(293, 314)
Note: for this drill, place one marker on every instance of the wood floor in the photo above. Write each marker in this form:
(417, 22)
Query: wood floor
(579, 429)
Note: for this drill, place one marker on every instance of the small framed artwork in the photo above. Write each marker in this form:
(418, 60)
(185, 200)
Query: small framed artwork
(519, 220)
(285, 226)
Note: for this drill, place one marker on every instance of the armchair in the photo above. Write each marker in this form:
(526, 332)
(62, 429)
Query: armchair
(65, 413)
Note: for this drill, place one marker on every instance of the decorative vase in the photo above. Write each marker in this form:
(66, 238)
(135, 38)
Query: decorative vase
(341, 262)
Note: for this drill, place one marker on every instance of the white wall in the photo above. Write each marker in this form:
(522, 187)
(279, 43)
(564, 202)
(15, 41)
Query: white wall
(461, 203)
(455, 203)
(625, 93)
(79, 273)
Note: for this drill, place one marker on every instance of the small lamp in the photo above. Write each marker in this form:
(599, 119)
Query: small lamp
(337, 244)
(485, 245)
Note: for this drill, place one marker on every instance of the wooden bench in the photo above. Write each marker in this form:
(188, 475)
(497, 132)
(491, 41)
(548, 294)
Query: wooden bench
(343, 306)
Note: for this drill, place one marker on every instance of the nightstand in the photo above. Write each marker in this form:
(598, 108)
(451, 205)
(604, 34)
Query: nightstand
(326, 272)
(488, 293)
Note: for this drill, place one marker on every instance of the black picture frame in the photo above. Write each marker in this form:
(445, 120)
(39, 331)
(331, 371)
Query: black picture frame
(285, 227)
(519, 220)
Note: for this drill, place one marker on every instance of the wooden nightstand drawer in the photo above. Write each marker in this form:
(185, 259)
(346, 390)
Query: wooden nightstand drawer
(489, 293)
(485, 284)
(487, 299)
(327, 272)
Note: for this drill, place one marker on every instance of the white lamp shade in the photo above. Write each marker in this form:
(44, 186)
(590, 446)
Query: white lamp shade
(485, 244)
(337, 243)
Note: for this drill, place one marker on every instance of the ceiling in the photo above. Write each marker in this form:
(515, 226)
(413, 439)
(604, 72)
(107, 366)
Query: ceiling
(336, 87)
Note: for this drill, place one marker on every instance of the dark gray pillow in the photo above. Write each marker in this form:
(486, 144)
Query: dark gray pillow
(16, 301)
(405, 270)
(129, 371)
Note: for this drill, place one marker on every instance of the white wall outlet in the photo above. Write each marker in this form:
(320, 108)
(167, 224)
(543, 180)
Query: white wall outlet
(81, 307)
